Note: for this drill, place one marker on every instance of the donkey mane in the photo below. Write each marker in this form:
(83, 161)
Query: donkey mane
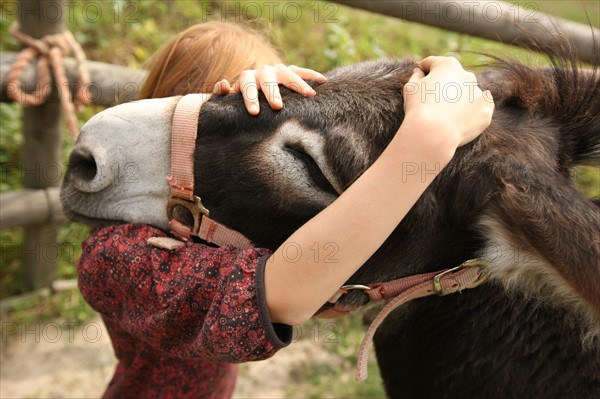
(558, 92)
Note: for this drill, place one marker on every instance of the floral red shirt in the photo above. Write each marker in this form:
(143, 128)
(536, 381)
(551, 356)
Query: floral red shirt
(177, 319)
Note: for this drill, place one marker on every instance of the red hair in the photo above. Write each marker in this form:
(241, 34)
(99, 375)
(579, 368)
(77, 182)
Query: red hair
(197, 58)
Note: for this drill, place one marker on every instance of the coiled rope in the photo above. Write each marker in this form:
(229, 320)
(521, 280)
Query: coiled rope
(49, 52)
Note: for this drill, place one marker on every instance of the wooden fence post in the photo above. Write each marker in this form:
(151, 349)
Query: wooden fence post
(41, 148)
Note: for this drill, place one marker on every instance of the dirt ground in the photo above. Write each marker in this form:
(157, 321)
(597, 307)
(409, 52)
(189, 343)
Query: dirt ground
(58, 360)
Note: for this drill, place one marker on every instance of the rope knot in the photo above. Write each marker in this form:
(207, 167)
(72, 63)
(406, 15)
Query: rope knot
(49, 52)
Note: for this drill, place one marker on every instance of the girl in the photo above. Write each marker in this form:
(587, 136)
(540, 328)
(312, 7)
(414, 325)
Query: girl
(178, 318)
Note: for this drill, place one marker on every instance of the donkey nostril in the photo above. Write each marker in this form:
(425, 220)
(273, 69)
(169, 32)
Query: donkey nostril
(86, 166)
(82, 165)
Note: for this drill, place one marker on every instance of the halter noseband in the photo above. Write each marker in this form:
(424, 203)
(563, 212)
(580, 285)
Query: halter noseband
(183, 145)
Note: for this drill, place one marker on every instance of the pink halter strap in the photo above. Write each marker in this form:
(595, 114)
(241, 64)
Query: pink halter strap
(469, 274)
(183, 145)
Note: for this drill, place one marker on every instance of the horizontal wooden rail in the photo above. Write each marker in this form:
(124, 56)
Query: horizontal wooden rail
(9, 304)
(30, 207)
(490, 19)
(110, 84)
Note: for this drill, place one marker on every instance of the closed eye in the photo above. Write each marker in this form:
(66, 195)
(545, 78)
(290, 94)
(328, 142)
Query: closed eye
(315, 173)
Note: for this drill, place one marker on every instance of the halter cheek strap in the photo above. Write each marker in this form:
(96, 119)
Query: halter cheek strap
(183, 145)
(469, 274)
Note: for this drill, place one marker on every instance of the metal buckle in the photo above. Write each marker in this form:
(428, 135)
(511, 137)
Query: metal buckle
(344, 290)
(437, 283)
(195, 207)
(355, 287)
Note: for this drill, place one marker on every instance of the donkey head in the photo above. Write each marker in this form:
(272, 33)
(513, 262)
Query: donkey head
(264, 176)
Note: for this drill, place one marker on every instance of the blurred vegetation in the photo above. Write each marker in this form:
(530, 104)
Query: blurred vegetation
(341, 339)
(313, 34)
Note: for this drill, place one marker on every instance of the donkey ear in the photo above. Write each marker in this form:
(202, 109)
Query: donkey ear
(496, 81)
(518, 85)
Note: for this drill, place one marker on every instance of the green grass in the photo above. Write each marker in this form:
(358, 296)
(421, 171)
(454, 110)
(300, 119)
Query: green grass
(341, 338)
(68, 306)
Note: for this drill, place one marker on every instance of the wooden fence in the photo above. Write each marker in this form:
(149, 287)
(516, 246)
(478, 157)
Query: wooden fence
(490, 19)
(37, 206)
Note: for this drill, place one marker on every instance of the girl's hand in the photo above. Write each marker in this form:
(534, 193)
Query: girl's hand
(442, 93)
(268, 78)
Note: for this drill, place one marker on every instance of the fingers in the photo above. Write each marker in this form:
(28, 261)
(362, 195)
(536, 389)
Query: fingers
(488, 97)
(433, 61)
(293, 81)
(417, 75)
(223, 87)
(412, 87)
(267, 79)
(249, 88)
(270, 77)
(489, 107)
(308, 74)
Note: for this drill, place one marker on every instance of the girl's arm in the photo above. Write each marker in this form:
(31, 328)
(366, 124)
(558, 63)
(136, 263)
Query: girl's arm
(362, 218)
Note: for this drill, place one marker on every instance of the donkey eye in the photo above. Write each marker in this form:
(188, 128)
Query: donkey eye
(314, 171)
